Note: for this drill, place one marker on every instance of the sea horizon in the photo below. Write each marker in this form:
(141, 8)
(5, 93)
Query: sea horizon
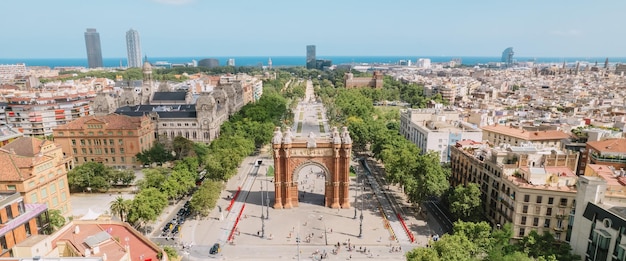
(288, 61)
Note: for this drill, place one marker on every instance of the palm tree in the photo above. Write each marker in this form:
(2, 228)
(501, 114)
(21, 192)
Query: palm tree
(120, 206)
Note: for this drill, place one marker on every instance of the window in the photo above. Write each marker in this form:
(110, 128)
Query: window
(522, 232)
(20, 207)
(84, 150)
(537, 210)
(526, 198)
(61, 184)
(44, 193)
(31, 184)
(123, 159)
(106, 150)
(130, 133)
(535, 221)
(9, 212)
(111, 142)
(104, 141)
(112, 150)
(63, 197)
(89, 142)
(549, 212)
(73, 142)
(55, 201)
(563, 202)
(53, 188)
(599, 245)
(11, 187)
(3, 243)
(75, 151)
(33, 198)
(525, 209)
(523, 220)
(82, 142)
(27, 228)
(113, 159)
(121, 150)
(120, 141)
(539, 199)
(546, 223)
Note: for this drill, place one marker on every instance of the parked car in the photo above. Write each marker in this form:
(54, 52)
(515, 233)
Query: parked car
(216, 248)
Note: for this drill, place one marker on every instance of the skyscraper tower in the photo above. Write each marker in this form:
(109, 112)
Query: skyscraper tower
(133, 48)
(94, 52)
(310, 57)
(269, 63)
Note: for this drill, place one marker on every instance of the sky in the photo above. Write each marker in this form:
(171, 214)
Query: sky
(186, 28)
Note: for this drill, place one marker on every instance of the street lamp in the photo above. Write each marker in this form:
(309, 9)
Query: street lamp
(267, 197)
(361, 217)
(356, 194)
(262, 217)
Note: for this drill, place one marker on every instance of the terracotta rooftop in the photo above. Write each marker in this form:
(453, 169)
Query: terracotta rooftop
(16, 167)
(111, 122)
(26, 146)
(527, 135)
(610, 145)
(140, 248)
(607, 174)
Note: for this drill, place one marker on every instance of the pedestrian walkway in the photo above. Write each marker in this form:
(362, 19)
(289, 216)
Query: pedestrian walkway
(241, 196)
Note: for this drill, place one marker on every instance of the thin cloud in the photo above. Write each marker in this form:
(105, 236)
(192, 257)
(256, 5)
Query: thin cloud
(570, 32)
(174, 2)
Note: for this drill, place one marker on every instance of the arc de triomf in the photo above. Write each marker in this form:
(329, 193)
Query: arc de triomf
(331, 154)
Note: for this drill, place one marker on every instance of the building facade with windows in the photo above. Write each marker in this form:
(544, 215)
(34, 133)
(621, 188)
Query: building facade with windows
(20, 221)
(37, 169)
(37, 116)
(530, 188)
(436, 130)
(113, 139)
(600, 217)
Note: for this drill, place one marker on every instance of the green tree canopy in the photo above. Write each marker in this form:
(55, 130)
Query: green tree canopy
(465, 202)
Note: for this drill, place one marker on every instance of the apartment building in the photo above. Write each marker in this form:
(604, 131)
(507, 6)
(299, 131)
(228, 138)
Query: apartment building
(501, 134)
(37, 169)
(600, 217)
(436, 130)
(37, 116)
(20, 221)
(113, 139)
(531, 188)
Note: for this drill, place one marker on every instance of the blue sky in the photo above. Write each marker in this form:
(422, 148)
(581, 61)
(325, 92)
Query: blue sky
(170, 28)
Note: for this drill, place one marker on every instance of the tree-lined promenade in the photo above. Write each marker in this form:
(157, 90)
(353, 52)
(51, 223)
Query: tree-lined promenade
(375, 133)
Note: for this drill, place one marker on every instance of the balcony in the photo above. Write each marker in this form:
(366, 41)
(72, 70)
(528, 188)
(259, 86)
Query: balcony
(596, 157)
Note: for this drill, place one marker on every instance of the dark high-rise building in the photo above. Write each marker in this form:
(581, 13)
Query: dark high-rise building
(507, 55)
(94, 52)
(310, 57)
(133, 49)
(209, 63)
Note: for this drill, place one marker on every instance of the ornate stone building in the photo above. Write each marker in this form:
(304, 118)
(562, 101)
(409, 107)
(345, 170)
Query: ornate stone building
(195, 117)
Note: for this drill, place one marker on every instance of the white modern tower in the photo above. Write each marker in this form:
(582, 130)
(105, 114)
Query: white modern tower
(133, 48)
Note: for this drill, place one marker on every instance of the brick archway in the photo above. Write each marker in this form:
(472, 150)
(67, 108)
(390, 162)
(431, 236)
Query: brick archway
(332, 155)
